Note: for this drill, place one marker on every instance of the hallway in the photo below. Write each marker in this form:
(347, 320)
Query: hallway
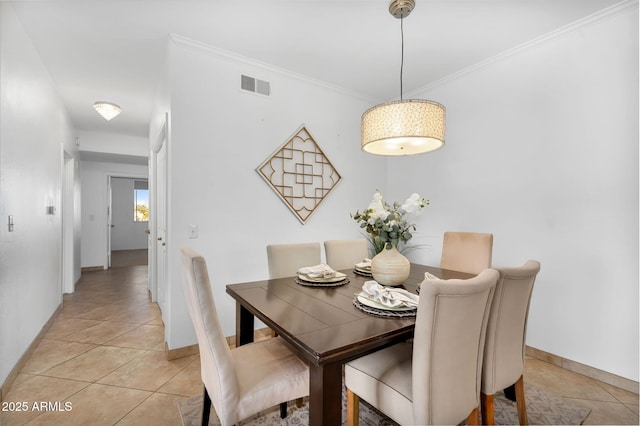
(104, 354)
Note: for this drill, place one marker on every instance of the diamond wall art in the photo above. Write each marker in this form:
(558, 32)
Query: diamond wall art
(300, 173)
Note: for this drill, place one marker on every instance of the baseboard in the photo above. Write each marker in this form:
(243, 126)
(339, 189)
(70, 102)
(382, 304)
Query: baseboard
(585, 370)
(172, 354)
(91, 269)
(27, 354)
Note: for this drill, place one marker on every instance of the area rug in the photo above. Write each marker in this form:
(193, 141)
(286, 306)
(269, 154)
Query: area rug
(543, 408)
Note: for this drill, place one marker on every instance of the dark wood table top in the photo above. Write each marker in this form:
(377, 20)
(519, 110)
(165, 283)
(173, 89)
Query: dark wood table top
(324, 327)
(321, 322)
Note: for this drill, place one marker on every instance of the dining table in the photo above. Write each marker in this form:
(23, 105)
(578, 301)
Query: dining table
(323, 326)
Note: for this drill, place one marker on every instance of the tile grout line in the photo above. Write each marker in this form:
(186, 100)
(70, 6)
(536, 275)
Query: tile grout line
(96, 345)
(604, 388)
(584, 400)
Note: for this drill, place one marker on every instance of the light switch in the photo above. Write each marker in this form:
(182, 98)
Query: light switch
(193, 231)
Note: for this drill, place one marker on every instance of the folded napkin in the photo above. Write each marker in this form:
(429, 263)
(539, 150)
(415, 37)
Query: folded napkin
(318, 271)
(365, 264)
(390, 296)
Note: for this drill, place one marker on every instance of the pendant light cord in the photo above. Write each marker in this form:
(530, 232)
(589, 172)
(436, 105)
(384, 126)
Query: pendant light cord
(401, 52)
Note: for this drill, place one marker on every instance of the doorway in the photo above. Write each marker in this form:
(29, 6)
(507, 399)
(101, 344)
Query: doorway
(127, 218)
(69, 258)
(158, 218)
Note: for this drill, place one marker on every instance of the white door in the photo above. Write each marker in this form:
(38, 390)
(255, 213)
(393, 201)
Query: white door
(161, 226)
(68, 284)
(158, 219)
(109, 222)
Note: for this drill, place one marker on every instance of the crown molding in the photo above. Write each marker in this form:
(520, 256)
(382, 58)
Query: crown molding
(610, 12)
(235, 57)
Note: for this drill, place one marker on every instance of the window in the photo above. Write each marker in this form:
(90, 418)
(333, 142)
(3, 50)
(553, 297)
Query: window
(141, 200)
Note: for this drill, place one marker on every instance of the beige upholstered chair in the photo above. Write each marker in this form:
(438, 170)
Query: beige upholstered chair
(343, 254)
(504, 345)
(437, 379)
(247, 379)
(285, 259)
(466, 251)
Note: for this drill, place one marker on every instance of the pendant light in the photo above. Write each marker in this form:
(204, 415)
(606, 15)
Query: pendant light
(404, 127)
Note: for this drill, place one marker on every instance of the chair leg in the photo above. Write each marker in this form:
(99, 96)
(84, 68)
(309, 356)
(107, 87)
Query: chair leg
(474, 418)
(520, 402)
(206, 408)
(486, 402)
(283, 407)
(353, 408)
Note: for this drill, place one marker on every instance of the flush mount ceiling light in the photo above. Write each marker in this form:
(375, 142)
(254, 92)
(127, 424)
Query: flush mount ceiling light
(403, 127)
(107, 110)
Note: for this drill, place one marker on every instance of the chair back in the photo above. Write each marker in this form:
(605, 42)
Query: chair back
(506, 330)
(343, 254)
(285, 259)
(466, 251)
(448, 347)
(216, 362)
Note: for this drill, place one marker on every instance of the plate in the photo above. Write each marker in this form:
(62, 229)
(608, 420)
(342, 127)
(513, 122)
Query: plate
(339, 277)
(322, 284)
(373, 304)
(384, 313)
(363, 273)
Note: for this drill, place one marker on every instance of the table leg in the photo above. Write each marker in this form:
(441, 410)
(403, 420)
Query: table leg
(244, 325)
(325, 394)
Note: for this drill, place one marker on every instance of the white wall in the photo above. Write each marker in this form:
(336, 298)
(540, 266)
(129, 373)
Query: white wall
(542, 151)
(126, 233)
(34, 131)
(219, 135)
(93, 177)
(113, 143)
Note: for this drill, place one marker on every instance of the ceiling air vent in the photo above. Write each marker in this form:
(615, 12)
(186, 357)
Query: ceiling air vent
(254, 85)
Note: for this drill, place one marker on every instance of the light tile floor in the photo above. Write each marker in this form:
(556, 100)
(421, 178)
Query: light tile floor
(104, 356)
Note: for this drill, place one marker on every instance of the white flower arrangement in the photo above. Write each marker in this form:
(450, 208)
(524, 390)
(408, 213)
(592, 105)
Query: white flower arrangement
(387, 225)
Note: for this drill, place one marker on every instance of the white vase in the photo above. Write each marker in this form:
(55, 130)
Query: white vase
(390, 267)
